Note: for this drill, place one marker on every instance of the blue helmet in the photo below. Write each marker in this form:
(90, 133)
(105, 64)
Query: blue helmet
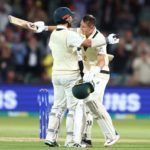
(61, 14)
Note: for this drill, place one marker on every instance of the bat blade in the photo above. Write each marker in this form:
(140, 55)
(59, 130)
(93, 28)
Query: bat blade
(22, 23)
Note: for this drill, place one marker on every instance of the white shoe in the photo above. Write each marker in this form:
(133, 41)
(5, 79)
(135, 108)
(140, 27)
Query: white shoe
(52, 144)
(70, 144)
(79, 145)
(110, 142)
(75, 145)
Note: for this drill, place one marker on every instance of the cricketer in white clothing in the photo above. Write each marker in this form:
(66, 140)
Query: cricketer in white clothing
(65, 73)
(96, 63)
(63, 44)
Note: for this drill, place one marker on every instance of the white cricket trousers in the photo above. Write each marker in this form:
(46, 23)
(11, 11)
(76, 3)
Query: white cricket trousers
(63, 99)
(95, 104)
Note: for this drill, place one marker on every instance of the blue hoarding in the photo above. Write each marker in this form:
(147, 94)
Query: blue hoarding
(21, 97)
(117, 100)
(127, 100)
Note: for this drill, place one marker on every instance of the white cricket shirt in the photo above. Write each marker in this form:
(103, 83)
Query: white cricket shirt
(63, 44)
(90, 54)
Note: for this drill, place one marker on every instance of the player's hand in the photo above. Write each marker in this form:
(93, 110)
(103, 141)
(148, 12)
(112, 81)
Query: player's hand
(88, 77)
(112, 38)
(40, 26)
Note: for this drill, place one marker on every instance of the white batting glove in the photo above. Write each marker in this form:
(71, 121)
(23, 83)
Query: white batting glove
(40, 26)
(112, 39)
(88, 77)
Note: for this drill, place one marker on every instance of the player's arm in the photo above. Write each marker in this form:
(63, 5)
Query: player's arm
(90, 42)
(40, 25)
(111, 39)
(93, 43)
(88, 77)
(101, 40)
(51, 28)
(101, 60)
(76, 40)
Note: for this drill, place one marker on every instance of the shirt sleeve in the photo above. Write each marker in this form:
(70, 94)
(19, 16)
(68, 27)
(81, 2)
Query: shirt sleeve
(101, 50)
(98, 41)
(74, 39)
(73, 29)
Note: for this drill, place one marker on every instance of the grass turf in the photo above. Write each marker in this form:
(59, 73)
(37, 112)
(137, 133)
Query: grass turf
(23, 134)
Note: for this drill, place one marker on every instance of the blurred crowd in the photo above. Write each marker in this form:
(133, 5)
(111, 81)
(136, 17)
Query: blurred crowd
(26, 58)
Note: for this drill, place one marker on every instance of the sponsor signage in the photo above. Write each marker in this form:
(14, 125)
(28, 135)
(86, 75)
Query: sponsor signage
(126, 100)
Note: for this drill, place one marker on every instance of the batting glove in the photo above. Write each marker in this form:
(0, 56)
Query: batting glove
(112, 39)
(88, 77)
(40, 26)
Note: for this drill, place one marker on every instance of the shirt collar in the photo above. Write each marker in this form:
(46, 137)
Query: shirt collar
(61, 26)
(90, 37)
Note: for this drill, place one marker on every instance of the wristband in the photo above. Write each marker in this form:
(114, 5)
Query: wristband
(46, 28)
(96, 69)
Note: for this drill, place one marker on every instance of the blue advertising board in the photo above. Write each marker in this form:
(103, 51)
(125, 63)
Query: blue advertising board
(21, 97)
(126, 100)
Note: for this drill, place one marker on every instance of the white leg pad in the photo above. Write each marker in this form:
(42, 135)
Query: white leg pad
(80, 122)
(70, 126)
(103, 119)
(88, 126)
(54, 124)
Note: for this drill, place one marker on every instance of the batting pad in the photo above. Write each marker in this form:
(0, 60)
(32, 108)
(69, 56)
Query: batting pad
(80, 122)
(88, 126)
(102, 118)
(54, 124)
(70, 126)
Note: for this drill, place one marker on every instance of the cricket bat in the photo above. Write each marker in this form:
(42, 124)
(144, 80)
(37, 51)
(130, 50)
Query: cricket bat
(22, 23)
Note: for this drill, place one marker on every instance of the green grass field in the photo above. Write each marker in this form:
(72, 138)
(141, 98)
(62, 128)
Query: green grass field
(23, 134)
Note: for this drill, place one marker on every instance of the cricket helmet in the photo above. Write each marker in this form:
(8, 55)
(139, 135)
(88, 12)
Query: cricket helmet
(82, 90)
(61, 14)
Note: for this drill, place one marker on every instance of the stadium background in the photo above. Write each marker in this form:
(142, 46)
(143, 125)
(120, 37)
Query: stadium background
(26, 61)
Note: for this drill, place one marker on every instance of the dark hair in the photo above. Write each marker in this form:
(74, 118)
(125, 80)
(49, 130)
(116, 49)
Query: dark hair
(90, 20)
